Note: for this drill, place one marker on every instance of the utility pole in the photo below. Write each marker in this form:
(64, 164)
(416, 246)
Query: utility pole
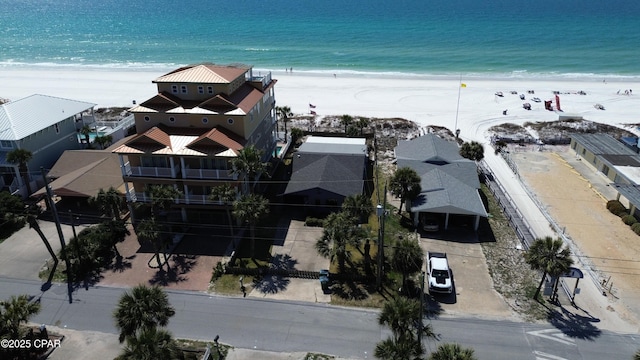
(54, 212)
(380, 211)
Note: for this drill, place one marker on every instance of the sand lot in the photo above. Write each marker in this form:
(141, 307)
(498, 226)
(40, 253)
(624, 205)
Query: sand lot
(575, 195)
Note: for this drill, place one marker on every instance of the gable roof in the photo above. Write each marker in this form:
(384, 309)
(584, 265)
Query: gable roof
(21, 118)
(184, 141)
(336, 173)
(204, 73)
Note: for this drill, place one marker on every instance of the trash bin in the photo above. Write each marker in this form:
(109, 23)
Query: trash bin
(324, 280)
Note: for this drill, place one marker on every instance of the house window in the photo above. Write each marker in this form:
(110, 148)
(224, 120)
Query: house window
(210, 89)
(230, 121)
(146, 118)
(573, 146)
(5, 144)
(183, 89)
(57, 127)
(174, 89)
(172, 119)
(605, 169)
(584, 151)
(200, 89)
(205, 120)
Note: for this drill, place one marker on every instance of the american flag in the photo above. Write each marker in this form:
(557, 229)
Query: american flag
(313, 112)
(312, 106)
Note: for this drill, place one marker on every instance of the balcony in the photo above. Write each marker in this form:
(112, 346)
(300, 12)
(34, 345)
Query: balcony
(208, 174)
(197, 199)
(145, 171)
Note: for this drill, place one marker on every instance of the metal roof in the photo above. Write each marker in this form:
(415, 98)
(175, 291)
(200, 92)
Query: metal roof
(203, 73)
(21, 118)
(429, 148)
(600, 144)
(629, 191)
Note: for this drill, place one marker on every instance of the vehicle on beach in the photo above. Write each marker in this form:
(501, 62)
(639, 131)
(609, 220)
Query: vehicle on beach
(535, 99)
(439, 273)
(499, 93)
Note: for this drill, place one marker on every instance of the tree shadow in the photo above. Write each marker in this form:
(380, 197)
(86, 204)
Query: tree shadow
(574, 325)
(283, 262)
(182, 264)
(121, 264)
(349, 290)
(271, 284)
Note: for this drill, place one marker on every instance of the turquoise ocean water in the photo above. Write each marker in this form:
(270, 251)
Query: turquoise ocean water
(502, 38)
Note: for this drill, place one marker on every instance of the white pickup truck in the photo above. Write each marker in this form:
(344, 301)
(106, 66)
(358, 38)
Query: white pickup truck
(438, 273)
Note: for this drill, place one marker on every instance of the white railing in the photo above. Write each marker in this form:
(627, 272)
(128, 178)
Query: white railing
(207, 173)
(197, 199)
(147, 171)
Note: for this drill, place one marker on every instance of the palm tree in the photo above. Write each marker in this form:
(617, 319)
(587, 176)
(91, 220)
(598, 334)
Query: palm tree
(340, 231)
(148, 232)
(108, 201)
(473, 151)
(103, 140)
(550, 256)
(405, 184)
(346, 120)
(141, 309)
(451, 351)
(251, 209)
(402, 315)
(225, 193)
(407, 258)
(390, 349)
(358, 206)
(284, 112)
(637, 355)
(13, 312)
(162, 197)
(363, 123)
(86, 130)
(21, 157)
(150, 344)
(117, 233)
(249, 164)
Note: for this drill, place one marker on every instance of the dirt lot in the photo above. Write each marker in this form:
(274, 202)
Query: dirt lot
(575, 196)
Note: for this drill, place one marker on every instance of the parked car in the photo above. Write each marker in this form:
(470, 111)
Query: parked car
(430, 223)
(439, 274)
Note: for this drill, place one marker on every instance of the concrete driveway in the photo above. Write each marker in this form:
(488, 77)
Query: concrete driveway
(23, 254)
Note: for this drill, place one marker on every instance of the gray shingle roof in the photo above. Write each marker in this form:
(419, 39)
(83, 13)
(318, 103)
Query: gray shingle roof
(449, 182)
(21, 118)
(600, 144)
(336, 173)
(430, 148)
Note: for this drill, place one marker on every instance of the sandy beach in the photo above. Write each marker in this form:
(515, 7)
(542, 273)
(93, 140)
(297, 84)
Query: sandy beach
(427, 101)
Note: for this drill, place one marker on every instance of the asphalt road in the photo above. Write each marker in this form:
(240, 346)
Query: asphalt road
(284, 326)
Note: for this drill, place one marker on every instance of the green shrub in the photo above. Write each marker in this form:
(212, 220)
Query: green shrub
(615, 207)
(629, 219)
(622, 213)
(218, 271)
(636, 228)
(612, 203)
(311, 221)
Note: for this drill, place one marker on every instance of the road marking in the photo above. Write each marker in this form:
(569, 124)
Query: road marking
(556, 336)
(544, 356)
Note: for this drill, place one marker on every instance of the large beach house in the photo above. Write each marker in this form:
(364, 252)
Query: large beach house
(44, 125)
(187, 135)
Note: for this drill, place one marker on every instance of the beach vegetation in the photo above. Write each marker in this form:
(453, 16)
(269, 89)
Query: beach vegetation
(225, 194)
(405, 184)
(149, 232)
(346, 120)
(358, 206)
(14, 313)
(296, 135)
(407, 258)
(162, 197)
(143, 308)
(21, 157)
(362, 123)
(629, 220)
(103, 140)
(340, 232)
(86, 132)
(109, 202)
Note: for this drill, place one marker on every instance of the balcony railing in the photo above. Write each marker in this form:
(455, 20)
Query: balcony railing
(145, 171)
(208, 174)
(196, 199)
